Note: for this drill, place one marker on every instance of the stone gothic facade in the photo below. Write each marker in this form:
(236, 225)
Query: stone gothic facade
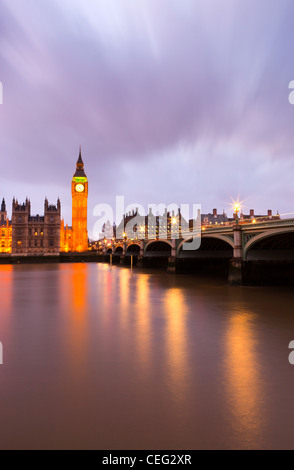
(35, 235)
(5, 230)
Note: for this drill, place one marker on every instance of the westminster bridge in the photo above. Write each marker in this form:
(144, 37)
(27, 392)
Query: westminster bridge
(249, 250)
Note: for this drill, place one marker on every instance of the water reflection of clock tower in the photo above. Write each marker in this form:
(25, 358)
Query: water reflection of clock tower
(79, 191)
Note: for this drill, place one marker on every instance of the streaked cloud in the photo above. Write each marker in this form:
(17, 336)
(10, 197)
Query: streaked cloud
(184, 100)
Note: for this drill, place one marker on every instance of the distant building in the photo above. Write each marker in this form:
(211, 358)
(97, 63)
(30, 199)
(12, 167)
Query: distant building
(5, 230)
(259, 218)
(35, 235)
(135, 226)
(173, 225)
(214, 218)
(65, 238)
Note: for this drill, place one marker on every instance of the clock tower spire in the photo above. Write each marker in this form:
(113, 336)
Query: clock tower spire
(79, 192)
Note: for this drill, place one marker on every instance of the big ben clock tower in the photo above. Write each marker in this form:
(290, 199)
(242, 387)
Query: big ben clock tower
(79, 192)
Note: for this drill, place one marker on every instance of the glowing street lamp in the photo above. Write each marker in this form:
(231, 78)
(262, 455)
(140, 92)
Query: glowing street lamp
(237, 208)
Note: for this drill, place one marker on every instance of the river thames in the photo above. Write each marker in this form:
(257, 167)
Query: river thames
(98, 358)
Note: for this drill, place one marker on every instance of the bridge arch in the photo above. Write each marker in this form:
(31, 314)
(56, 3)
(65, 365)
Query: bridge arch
(133, 249)
(118, 250)
(212, 246)
(280, 241)
(217, 236)
(223, 238)
(158, 248)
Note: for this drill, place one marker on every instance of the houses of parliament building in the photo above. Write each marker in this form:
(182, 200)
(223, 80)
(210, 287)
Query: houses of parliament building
(26, 234)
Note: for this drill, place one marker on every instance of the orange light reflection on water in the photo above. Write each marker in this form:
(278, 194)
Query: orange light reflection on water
(124, 291)
(79, 288)
(243, 378)
(78, 311)
(6, 277)
(143, 326)
(176, 338)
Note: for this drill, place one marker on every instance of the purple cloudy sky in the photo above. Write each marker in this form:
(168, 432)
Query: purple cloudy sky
(172, 101)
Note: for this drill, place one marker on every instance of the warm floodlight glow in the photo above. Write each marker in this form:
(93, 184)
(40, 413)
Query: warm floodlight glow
(237, 207)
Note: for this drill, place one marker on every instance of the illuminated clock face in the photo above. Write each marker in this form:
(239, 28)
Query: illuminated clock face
(80, 188)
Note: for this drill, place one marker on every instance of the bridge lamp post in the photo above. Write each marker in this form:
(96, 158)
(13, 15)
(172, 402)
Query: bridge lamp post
(237, 209)
(236, 263)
